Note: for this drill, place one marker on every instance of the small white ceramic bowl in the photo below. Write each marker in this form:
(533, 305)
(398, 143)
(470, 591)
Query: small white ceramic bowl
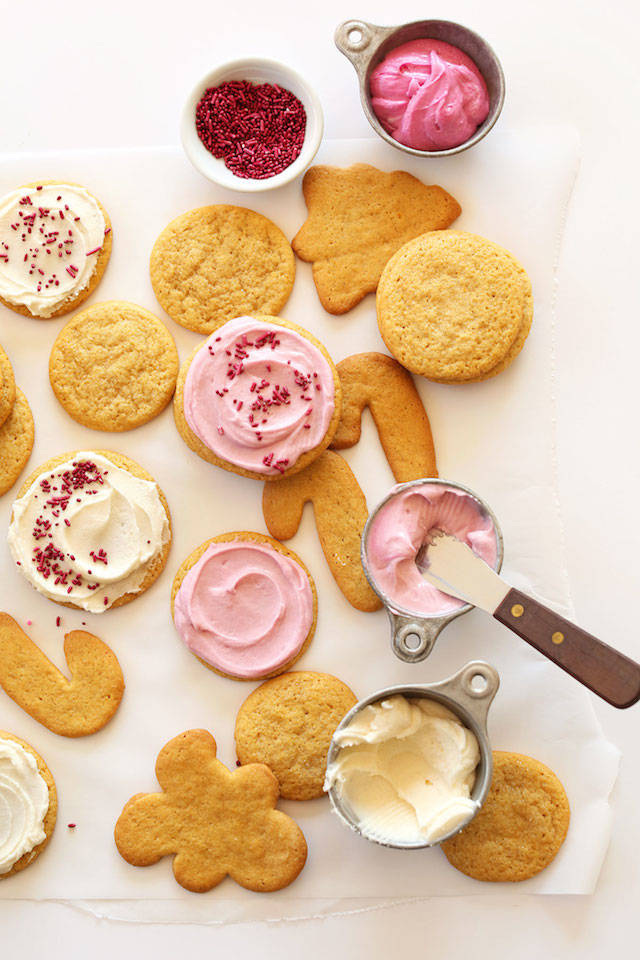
(255, 70)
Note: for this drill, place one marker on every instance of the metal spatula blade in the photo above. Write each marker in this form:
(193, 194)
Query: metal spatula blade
(453, 567)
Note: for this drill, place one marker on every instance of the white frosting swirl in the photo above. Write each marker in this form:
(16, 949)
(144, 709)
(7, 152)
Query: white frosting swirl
(24, 802)
(85, 531)
(50, 238)
(406, 769)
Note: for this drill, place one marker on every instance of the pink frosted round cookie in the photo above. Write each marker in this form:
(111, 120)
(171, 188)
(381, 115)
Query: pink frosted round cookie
(261, 397)
(244, 605)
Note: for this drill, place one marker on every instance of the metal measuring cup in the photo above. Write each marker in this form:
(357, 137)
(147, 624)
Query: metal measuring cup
(468, 694)
(414, 634)
(367, 44)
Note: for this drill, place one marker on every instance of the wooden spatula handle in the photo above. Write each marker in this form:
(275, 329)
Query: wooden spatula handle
(599, 667)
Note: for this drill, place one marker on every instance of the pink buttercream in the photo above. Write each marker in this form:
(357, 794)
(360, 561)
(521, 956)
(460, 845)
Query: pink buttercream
(402, 526)
(429, 95)
(259, 395)
(244, 608)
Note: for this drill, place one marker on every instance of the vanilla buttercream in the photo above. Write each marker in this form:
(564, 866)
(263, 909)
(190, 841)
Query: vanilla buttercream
(24, 802)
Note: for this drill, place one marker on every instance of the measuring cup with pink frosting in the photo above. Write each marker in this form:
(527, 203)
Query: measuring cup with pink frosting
(394, 533)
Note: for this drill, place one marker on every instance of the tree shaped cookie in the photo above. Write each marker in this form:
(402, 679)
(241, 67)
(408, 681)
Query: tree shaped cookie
(358, 218)
(212, 820)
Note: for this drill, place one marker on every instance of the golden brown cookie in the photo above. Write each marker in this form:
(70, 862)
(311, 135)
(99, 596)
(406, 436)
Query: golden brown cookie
(114, 366)
(453, 306)
(101, 252)
(195, 443)
(340, 511)
(215, 263)
(519, 829)
(215, 822)
(358, 218)
(70, 708)
(288, 723)
(153, 567)
(379, 382)
(50, 816)
(260, 538)
(16, 442)
(7, 387)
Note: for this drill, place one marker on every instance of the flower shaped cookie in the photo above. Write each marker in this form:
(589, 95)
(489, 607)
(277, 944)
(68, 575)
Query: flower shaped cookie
(214, 821)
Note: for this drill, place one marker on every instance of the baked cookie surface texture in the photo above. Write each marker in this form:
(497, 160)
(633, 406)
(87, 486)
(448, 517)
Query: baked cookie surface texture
(16, 442)
(215, 263)
(7, 387)
(215, 822)
(454, 307)
(90, 530)
(245, 605)
(71, 708)
(114, 366)
(288, 723)
(519, 829)
(28, 803)
(56, 241)
(260, 397)
(357, 218)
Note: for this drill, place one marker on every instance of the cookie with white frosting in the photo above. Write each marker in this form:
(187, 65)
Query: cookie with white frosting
(90, 530)
(55, 243)
(28, 793)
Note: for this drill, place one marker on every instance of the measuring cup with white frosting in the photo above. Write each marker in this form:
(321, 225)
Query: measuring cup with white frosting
(393, 535)
(411, 765)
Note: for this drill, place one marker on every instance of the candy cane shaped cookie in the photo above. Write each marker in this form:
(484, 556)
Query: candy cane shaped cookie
(341, 512)
(379, 382)
(70, 708)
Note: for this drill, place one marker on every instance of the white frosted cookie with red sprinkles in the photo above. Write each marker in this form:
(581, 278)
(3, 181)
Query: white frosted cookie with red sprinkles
(260, 397)
(55, 243)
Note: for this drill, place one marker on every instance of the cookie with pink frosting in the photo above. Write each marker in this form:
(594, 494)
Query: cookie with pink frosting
(260, 397)
(244, 605)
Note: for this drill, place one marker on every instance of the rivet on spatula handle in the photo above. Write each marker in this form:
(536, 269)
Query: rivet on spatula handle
(599, 667)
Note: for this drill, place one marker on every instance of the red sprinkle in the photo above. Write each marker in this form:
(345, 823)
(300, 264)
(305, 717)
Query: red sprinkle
(257, 129)
(71, 825)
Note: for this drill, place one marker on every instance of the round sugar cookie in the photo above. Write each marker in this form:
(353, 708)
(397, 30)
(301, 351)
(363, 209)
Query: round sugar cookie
(218, 262)
(154, 567)
(288, 723)
(47, 220)
(7, 387)
(519, 829)
(114, 366)
(307, 457)
(51, 814)
(451, 305)
(16, 442)
(259, 538)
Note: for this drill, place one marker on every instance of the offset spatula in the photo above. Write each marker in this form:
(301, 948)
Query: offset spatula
(451, 565)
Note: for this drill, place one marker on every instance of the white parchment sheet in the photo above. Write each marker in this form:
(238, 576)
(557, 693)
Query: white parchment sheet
(497, 437)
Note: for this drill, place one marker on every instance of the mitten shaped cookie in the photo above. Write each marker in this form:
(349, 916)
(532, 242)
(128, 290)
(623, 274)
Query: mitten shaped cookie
(212, 820)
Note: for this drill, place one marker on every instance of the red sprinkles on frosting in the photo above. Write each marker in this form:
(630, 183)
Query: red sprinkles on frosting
(267, 395)
(257, 129)
(59, 489)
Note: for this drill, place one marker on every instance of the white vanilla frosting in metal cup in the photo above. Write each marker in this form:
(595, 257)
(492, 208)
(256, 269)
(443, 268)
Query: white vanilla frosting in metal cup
(50, 238)
(85, 531)
(24, 802)
(405, 770)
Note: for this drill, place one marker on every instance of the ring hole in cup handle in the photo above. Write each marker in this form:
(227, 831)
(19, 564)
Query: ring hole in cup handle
(413, 640)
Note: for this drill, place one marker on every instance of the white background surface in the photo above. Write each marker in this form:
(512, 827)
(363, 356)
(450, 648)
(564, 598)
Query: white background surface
(117, 77)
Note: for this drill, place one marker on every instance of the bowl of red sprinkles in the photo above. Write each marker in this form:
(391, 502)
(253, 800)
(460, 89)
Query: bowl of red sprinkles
(252, 125)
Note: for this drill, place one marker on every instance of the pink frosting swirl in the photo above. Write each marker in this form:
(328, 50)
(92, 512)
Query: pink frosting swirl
(401, 527)
(259, 395)
(429, 95)
(244, 608)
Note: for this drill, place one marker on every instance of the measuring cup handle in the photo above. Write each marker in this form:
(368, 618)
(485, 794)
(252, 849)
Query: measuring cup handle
(353, 38)
(412, 639)
(473, 687)
(599, 667)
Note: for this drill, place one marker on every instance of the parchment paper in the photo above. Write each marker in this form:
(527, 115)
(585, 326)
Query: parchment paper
(497, 437)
